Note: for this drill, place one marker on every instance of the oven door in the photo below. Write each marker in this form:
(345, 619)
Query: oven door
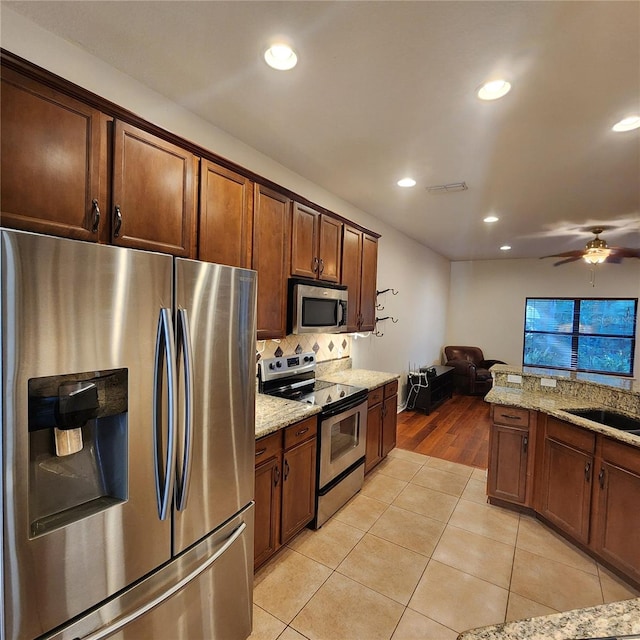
(343, 436)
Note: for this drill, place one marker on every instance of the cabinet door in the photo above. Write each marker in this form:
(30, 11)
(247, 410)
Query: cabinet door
(267, 512)
(329, 249)
(154, 193)
(566, 488)
(298, 488)
(616, 520)
(351, 273)
(304, 242)
(368, 287)
(389, 423)
(270, 258)
(508, 458)
(51, 165)
(373, 452)
(226, 210)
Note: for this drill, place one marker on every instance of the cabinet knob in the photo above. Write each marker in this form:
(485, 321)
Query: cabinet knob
(587, 472)
(321, 265)
(96, 215)
(315, 265)
(117, 222)
(286, 470)
(601, 477)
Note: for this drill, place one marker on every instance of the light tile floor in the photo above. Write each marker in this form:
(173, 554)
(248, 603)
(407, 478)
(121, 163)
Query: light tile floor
(420, 554)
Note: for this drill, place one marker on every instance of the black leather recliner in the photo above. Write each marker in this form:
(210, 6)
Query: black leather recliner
(471, 371)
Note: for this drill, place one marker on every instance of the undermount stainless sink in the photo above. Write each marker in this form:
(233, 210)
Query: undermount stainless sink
(609, 418)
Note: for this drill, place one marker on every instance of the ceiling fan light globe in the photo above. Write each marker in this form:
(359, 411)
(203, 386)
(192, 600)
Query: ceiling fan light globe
(596, 255)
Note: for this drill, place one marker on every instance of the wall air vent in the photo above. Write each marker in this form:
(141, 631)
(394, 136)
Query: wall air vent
(448, 188)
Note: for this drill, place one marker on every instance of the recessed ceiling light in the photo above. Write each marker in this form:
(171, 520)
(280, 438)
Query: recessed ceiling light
(406, 182)
(281, 56)
(491, 219)
(505, 247)
(627, 124)
(494, 90)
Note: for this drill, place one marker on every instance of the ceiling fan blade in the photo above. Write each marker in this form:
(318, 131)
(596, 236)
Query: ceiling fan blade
(624, 252)
(566, 260)
(566, 254)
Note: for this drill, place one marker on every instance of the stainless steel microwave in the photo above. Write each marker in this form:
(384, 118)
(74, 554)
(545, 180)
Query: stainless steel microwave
(317, 307)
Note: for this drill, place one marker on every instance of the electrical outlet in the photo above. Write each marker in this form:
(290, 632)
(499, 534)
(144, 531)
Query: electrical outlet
(514, 378)
(547, 382)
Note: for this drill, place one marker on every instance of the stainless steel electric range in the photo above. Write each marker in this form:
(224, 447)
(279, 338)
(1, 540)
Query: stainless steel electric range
(343, 426)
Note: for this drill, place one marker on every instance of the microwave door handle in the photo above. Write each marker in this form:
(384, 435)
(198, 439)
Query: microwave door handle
(186, 351)
(165, 354)
(341, 320)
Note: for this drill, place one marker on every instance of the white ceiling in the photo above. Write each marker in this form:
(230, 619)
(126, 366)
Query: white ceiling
(387, 89)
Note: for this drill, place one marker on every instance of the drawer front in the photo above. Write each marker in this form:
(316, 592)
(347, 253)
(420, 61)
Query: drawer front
(510, 416)
(268, 447)
(390, 389)
(375, 396)
(622, 455)
(300, 432)
(571, 435)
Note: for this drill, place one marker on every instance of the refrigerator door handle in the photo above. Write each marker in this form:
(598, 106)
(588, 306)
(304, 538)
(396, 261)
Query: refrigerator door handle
(109, 630)
(185, 348)
(164, 473)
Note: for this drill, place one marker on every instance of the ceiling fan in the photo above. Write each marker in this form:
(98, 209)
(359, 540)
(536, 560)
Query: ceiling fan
(596, 251)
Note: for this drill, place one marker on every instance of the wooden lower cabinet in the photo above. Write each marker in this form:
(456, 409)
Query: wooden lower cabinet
(285, 485)
(382, 418)
(511, 447)
(566, 474)
(616, 515)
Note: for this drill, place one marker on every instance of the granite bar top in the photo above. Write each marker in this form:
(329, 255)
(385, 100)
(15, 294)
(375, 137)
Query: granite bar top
(360, 378)
(274, 413)
(556, 405)
(604, 621)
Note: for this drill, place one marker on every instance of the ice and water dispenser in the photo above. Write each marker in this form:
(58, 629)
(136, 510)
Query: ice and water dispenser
(77, 446)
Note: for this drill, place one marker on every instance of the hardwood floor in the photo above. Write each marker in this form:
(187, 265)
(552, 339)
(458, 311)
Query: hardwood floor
(458, 431)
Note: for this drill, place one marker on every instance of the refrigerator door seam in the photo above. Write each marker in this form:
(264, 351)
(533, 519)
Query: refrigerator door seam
(119, 624)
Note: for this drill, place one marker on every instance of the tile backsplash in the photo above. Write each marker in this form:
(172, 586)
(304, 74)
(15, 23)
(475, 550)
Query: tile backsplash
(326, 346)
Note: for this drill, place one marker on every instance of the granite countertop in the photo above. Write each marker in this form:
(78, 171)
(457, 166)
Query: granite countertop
(603, 621)
(556, 406)
(360, 378)
(274, 413)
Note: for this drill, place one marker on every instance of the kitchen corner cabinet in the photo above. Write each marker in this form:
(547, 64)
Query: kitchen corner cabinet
(270, 258)
(511, 454)
(53, 161)
(382, 419)
(226, 212)
(316, 242)
(616, 516)
(359, 273)
(154, 193)
(285, 486)
(565, 477)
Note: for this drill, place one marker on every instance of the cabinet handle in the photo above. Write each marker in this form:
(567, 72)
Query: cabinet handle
(259, 452)
(601, 477)
(321, 265)
(96, 215)
(276, 476)
(525, 444)
(118, 222)
(302, 431)
(286, 470)
(506, 415)
(315, 265)
(587, 471)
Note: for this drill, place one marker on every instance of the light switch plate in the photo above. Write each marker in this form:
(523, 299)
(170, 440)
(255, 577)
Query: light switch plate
(514, 378)
(547, 382)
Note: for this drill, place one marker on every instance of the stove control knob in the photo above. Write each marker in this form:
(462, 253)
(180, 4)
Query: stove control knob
(279, 364)
(272, 366)
(308, 358)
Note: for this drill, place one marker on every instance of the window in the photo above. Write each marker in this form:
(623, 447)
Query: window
(596, 335)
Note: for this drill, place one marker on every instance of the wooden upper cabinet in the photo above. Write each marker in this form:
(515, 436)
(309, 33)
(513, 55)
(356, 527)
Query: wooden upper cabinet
(154, 193)
(270, 258)
(351, 273)
(53, 161)
(369, 283)
(315, 244)
(226, 210)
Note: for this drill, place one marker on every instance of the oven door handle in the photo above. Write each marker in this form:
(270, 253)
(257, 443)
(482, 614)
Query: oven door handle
(343, 408)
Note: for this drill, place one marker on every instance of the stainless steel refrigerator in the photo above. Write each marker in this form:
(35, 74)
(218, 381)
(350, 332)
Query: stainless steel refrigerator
(128, 400)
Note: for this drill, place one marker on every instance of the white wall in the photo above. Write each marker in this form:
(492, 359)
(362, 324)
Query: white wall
(487, 298)
(421, 276)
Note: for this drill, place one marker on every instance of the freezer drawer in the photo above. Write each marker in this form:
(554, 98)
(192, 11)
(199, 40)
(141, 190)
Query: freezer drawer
(206, 593)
